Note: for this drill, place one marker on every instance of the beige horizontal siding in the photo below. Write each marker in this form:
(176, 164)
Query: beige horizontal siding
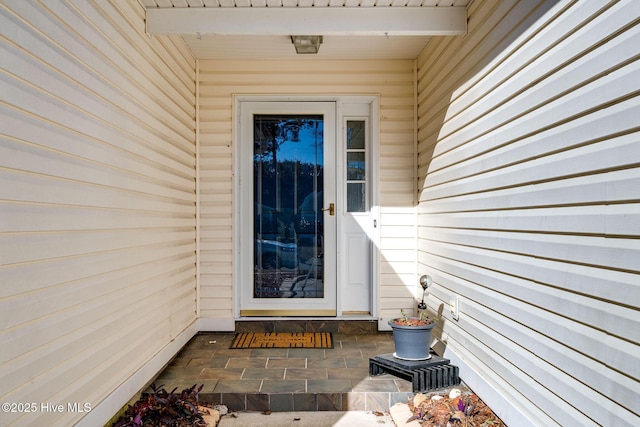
(97, 201)
(220, 80)
(530, 203)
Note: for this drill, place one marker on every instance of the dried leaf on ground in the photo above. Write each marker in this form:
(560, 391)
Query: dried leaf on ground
(464, 410)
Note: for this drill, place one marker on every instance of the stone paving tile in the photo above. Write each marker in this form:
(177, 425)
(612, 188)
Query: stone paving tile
(340, 337)
(280, 386)
(304, 374)
(234, 401)
(207, 363)
(232, 352)
(322, 326)
(329, 401)
(403, 385)
(362, 345)
(344, 353)
(326, 363)
(353, 401)
(308, 353)
(258, 373)
(247, 362)
(238, 386)
(281, 402)
(400, 397)
(328, 386)
(291, 327)
(305, 402)
(370, 354)
(377, 401)
(214, 344)
(387, 385)
(286, 363)
(222, 374)
(209, 385)
(373, 337)
(269, 352)
(357, 363)
(258, 402)
(349, 373)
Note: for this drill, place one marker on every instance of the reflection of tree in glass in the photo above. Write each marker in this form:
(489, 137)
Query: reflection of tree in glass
(277, 177)
(287, 172)
(271, 131)
(288, 176)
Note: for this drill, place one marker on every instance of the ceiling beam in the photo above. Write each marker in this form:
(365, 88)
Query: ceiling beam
(326, 21)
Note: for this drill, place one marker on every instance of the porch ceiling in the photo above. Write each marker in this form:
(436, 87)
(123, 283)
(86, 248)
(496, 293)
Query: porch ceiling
(260, 29)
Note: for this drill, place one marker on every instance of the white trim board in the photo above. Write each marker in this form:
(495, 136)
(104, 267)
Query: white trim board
(283, 21)
(216, 325)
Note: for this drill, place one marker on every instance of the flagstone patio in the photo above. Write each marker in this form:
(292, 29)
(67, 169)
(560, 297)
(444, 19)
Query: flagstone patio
(290, 379)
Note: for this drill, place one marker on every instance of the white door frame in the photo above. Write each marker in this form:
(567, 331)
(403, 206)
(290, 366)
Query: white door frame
(373, 102)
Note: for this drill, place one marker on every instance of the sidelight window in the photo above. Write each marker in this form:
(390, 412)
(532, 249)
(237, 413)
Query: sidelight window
(356, 167)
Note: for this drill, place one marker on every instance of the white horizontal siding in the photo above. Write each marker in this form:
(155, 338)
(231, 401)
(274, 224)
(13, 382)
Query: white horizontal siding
(392, 80)
(529, 204)
(97, 201)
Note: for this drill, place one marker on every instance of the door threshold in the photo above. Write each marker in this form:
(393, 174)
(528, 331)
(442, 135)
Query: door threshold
(348, 325)
(288, 313)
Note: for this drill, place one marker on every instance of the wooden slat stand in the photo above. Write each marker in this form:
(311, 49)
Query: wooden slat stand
(424, 375)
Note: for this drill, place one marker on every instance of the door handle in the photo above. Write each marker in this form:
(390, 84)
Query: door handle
(331, 209)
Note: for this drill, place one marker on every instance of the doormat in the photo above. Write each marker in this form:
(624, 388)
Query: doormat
(282, 340)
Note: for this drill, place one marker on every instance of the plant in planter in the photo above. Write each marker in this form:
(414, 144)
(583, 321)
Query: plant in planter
(412, 336)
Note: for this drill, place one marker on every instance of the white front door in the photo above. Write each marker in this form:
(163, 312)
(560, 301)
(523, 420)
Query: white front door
(288, 198)
(304, 208)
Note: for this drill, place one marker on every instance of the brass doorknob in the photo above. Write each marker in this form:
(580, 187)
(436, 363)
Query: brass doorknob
(331, 209)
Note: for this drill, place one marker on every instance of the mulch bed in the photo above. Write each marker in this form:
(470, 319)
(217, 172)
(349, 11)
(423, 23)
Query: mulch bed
(457, 409)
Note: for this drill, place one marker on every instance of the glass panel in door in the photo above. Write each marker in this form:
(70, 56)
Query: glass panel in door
(288, 230)
(287, 249)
